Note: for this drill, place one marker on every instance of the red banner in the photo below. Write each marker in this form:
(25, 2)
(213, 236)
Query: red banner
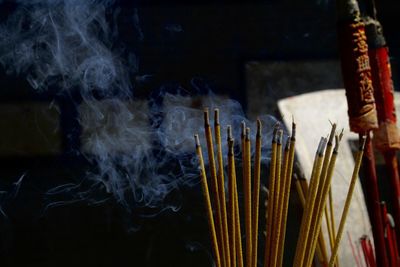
(387, 136)
(356, 71)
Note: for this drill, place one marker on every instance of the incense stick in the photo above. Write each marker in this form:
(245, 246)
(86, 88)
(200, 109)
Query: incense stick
(236, 238)
(256, 193)
(276, 201)
(247, 197)
(221, 189)
(328, 220)
(332, 215)
(270, 205)
(324, 194)
(348, 201)
(232, 197)
(332, 212)
(306, 219)
(302, 190)
(207, 201)
(225, 231)
(214, 184)
(286, 194)
(237, 250)
(278, 213)
(317, 212)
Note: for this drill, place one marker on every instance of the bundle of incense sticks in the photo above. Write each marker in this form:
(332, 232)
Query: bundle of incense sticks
(224, 218)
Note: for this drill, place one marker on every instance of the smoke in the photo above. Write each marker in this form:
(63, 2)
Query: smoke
(142, 150)
(63, 44)
(8, 195)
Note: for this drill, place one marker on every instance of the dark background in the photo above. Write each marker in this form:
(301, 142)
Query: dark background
(190, 44)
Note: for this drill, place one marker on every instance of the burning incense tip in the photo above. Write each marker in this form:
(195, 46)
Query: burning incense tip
(321, 146)
(259, 126)
(243, 124)
(287, 146)
(275, 134)
(279, 137)
(197, 140)
(277, 126)
(247, 133)
(216, 116)
(231, 143)
(229, 132)
(206, 117)
(293, 130)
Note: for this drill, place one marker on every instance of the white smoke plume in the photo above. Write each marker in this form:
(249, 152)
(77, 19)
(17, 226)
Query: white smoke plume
(141, 150)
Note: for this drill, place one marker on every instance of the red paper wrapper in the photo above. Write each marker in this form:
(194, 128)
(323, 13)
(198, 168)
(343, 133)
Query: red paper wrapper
(387, 136)
(356, 71)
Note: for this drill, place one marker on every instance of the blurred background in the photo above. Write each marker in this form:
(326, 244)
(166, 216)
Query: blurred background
(254, 52)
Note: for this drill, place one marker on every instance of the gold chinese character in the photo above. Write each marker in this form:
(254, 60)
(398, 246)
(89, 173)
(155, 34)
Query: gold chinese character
(357, 23)
(361, 41)
(367, 91)
(363, 63)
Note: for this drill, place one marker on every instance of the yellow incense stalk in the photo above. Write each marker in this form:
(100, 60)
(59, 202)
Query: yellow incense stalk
(239, 248)
(282, 166)
(256, 193)
(207, 200)
(247, 198)
(270, 205)
(286, 194)
(328, 221)
(331, 217)
(302, 190)
(348, 201)
(332, 222)
(307, 215)
(315, 213)
(236, 239)
(221, 189)
(232, 196)
(325, 192)
(214, 185)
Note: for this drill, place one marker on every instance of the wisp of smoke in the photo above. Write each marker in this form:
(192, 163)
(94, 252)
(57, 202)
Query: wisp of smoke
(65, 44)
(142, 151)
(8, 195)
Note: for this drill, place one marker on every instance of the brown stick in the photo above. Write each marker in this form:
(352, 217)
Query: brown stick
(214, 185)
(280, 189)
(270, 205)
(302, 190)
(324, 193)
(256, 193)
(318, 201)
(232, 197)
(306, 219)
(348, 201)
(247, 198)
(286, 194)
(221, 188)
(207, 200)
